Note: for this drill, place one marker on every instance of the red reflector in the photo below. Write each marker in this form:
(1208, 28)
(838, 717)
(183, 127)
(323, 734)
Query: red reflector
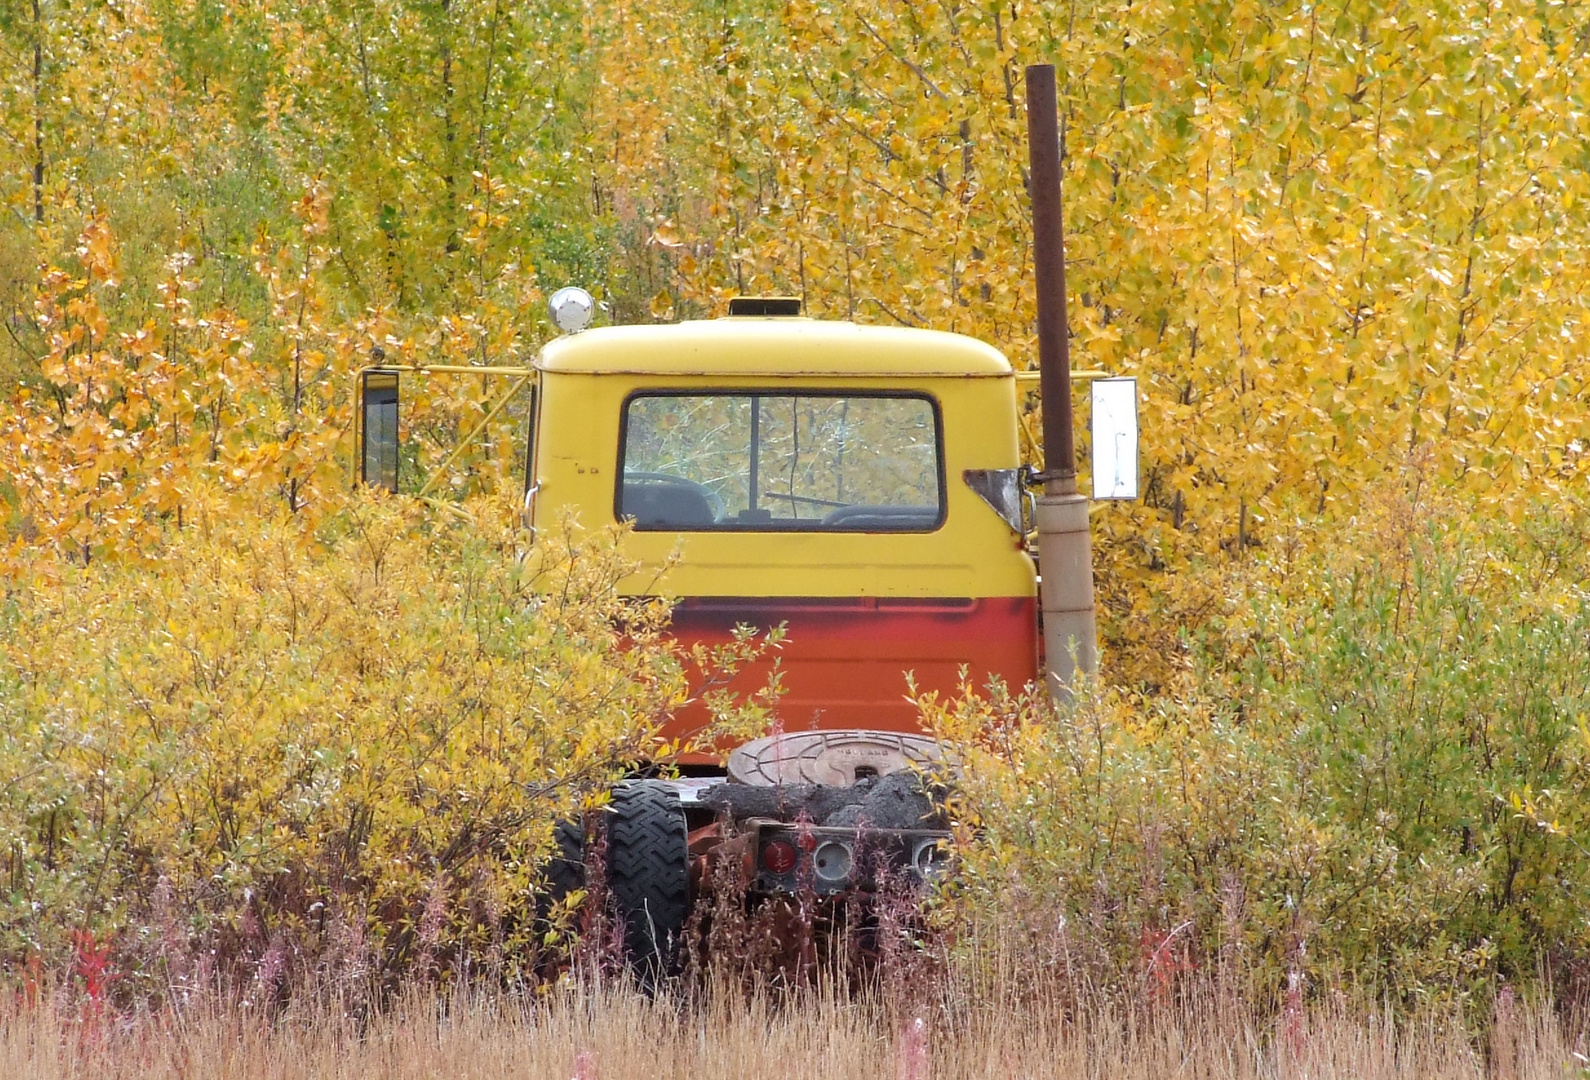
(778, 856)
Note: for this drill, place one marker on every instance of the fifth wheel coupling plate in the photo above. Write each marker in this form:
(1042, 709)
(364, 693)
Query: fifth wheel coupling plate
(830, 758)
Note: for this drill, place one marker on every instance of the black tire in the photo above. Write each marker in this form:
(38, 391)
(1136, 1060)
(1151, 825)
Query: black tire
(648, 874)
(564, 872)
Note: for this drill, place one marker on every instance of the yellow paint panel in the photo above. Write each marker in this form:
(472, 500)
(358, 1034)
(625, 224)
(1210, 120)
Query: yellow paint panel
(973, 554)
(779, 348)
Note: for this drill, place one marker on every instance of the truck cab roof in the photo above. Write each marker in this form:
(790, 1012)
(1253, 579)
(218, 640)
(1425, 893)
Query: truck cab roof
(778, 347)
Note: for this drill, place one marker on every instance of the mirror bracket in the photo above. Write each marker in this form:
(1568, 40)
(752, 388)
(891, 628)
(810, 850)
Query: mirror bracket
(1004, 492)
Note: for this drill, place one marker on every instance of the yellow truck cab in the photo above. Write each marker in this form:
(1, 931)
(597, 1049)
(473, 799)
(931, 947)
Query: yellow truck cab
(821, 475)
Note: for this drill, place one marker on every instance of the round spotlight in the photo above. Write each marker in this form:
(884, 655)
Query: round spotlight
(831, 862)
(572, 308)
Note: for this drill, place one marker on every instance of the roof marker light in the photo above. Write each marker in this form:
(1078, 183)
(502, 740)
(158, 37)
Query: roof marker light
(765, 306)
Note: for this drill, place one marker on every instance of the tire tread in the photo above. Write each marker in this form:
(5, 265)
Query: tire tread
(649, 873)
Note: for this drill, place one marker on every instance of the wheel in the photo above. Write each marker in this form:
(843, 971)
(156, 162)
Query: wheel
(648, 874)
(562, 874)
(565, 871)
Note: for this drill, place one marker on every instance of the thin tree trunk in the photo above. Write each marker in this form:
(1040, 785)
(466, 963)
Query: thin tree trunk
(449, 129)
(38, 114)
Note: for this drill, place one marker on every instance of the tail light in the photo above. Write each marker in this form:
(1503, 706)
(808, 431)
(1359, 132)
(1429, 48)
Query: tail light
(930, 859)
(778, 856)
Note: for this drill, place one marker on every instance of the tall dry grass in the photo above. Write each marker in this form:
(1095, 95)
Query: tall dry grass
(615, 1034)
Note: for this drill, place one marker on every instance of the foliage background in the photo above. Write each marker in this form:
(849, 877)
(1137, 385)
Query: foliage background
(1374, 773)
(1325, 238)
(1343, 248)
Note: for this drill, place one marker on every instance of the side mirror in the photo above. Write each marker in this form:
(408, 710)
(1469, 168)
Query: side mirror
(1115, 438)
(378, 428)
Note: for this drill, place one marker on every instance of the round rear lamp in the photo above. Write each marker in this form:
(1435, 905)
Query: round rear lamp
(831, 862)
(778, 856)
(930, 859)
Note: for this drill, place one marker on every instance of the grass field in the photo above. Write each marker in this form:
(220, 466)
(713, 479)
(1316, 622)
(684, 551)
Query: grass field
(576, 1034)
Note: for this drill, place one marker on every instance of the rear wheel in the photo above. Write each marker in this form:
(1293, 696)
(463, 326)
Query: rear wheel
(561, 875)
(648, 874)
(565, 871)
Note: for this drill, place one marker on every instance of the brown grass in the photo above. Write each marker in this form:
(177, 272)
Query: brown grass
(613, 1034)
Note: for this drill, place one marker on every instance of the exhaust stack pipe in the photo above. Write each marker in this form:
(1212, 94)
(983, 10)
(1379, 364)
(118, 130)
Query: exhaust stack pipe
(1065, 554)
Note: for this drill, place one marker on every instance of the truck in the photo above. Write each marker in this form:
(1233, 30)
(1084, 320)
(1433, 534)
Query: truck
(860, 486)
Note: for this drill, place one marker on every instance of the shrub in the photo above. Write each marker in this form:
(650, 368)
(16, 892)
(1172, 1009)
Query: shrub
(1373, 771)
(278, 747)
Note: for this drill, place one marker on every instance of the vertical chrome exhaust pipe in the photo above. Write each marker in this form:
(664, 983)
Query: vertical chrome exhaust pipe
(1065, 553)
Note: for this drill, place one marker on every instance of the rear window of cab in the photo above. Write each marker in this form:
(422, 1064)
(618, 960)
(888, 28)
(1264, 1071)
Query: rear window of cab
(795, 461)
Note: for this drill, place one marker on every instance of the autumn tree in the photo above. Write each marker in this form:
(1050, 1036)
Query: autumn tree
(1328, 242)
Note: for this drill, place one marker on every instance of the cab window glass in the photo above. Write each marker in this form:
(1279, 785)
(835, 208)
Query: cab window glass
(781, 462)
